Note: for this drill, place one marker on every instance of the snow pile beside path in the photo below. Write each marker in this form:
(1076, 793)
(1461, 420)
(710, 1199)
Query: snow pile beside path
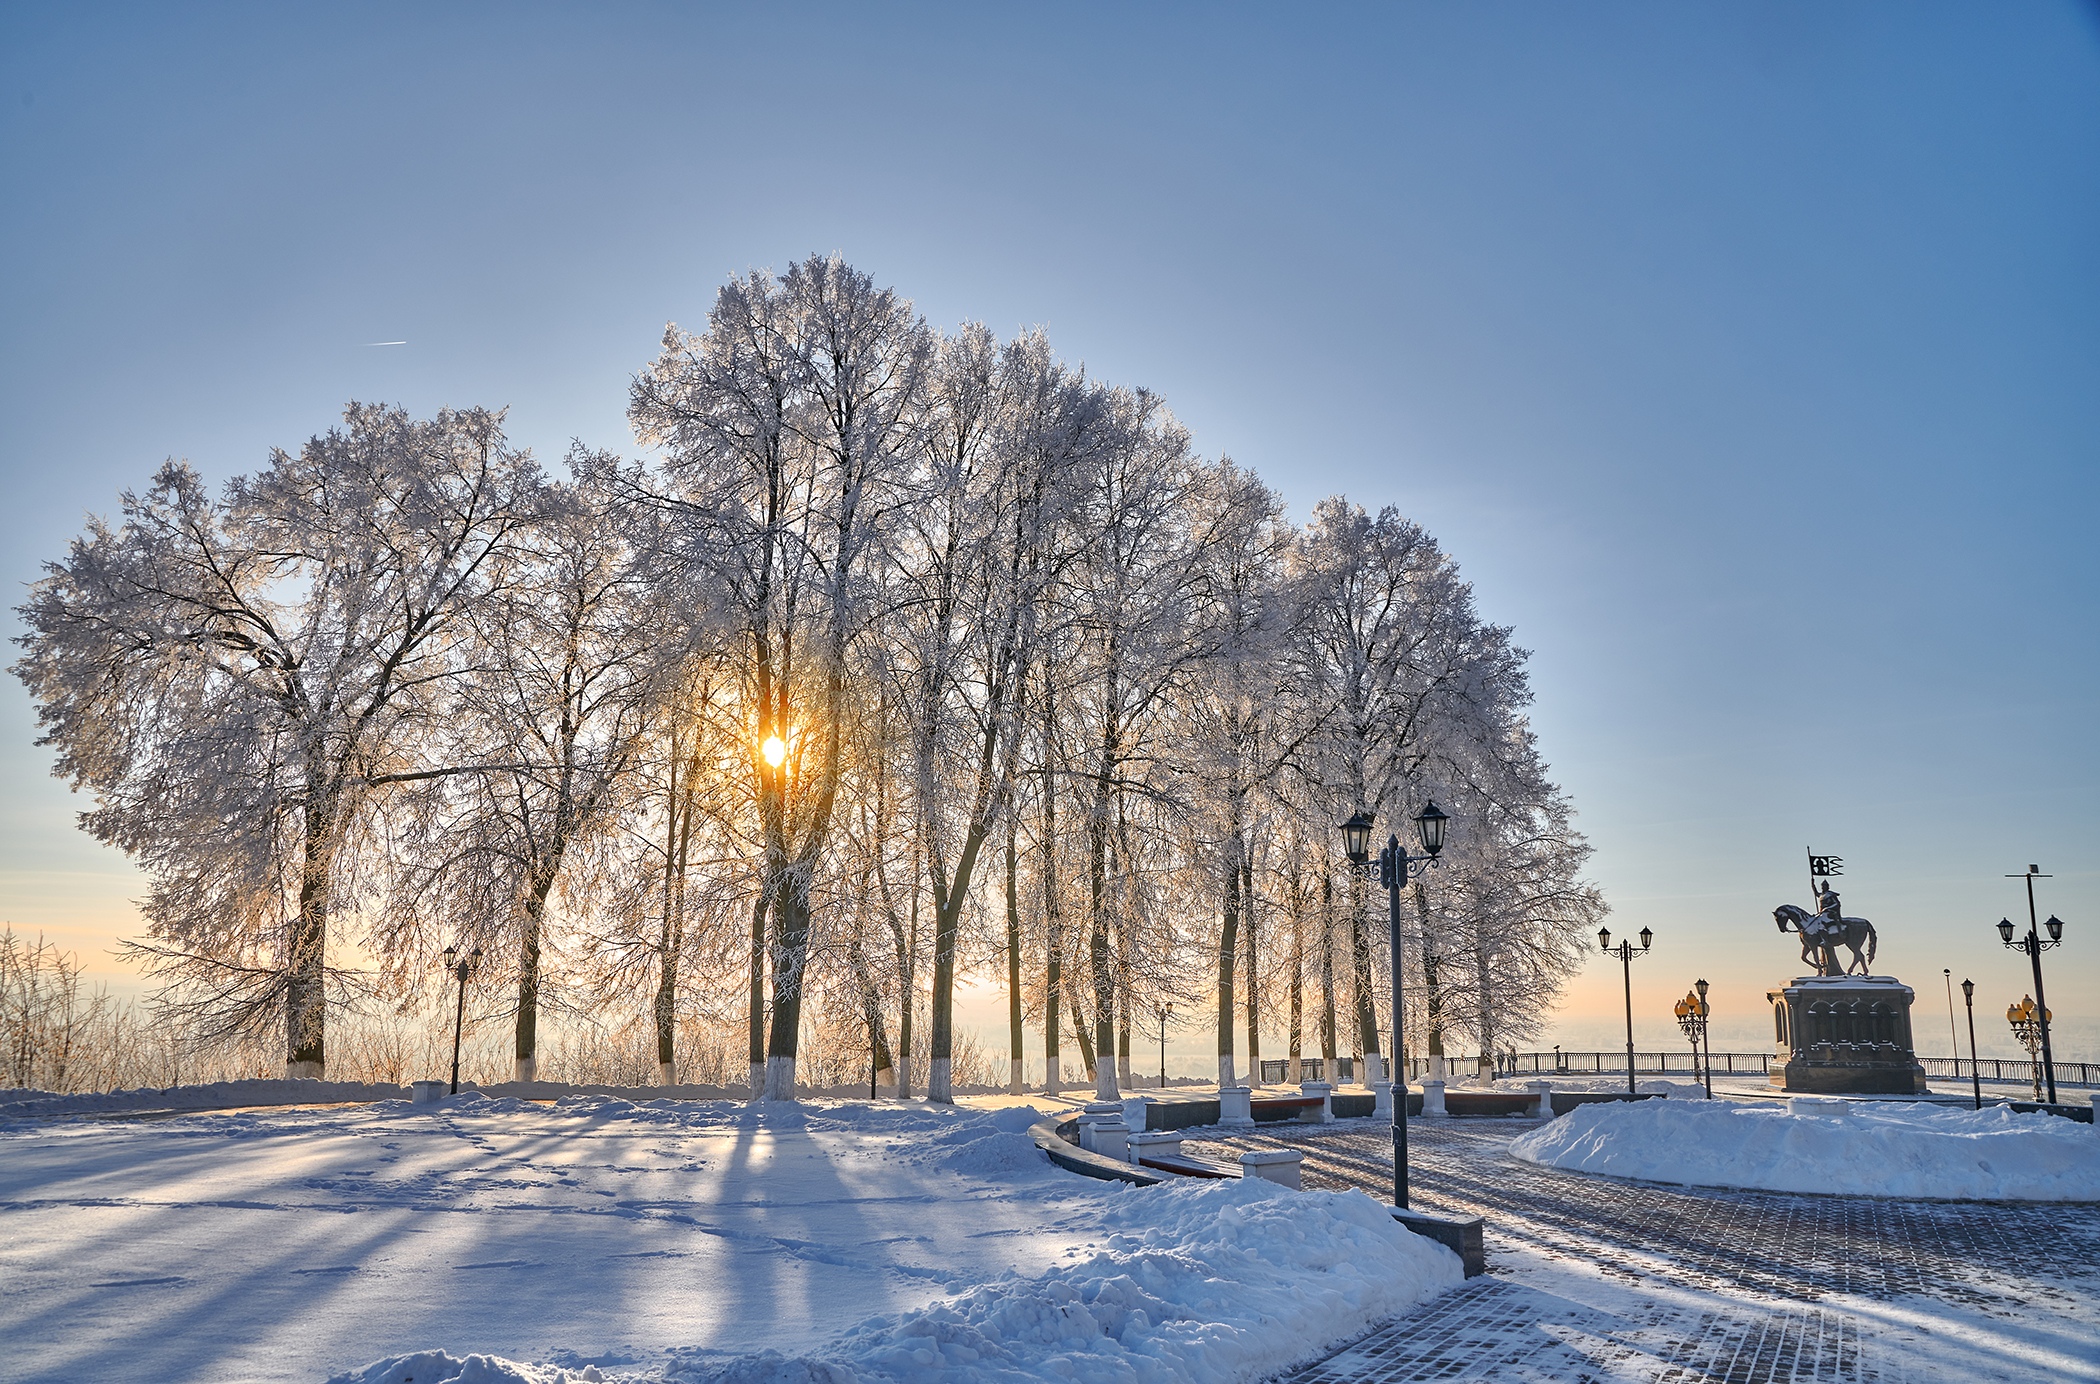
(1186, 1283)
(1647, 1086)
(1883, 1149)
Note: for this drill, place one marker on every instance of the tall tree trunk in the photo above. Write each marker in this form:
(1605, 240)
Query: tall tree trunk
(1330, 1042)
(1013, 962)
(1228, 956)
(757, 1011)
(525, 1066)
(305, 998)
(1053, 919)
(677, 854)
(1296, 1070)
(1084, 1031)
(1099, 951)
(790, 958)
(1366, 993)
(1253, 972)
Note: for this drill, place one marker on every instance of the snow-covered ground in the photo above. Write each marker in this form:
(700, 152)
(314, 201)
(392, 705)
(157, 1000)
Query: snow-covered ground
(1859, 1148)
(497, 1240)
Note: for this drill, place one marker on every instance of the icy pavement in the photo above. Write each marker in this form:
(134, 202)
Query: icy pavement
(1593, 1279)
(505, 1241)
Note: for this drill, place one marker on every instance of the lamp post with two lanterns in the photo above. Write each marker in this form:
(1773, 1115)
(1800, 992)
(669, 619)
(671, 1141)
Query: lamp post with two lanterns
(459, 966)
(1394, 870)
(1691, 1017)
(2034, 945)
(1626, 951)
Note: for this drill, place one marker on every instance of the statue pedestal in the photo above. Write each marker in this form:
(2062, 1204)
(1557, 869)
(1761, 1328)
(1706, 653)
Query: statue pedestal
(1845, 1035)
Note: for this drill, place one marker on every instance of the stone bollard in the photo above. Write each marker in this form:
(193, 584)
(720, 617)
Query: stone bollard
(1817, 1105)
(1163, 1143)
(1280, 1166)
(1325, 1114)
(1235, 1107)
(2096, 1109)
(1543, 1108)
(426, 1092)
(1112, 1139)
(1433, 1098)
(1381, 1101)
(1094, 1114)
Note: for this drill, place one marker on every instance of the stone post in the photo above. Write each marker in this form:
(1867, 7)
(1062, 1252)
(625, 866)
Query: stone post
(1280, 1166)
(1381, 1101)
(1235, 1107)
(1543, 1109)
(1325, 1114)
(1433, 1098)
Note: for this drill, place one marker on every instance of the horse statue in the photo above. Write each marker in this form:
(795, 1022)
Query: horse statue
(1820, 935)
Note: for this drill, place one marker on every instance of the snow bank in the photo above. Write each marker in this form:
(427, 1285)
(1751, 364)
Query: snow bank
(1199, 1282)
(1883, 1149)
(490, 1240)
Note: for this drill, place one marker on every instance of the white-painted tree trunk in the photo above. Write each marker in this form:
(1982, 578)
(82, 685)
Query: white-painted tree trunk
(886, 1083)
(940, 1084)
(1013, 1076)
(1105, 1087)
(302, 1071)
(1226, 1076)
(758, 1080)
(525, 1069)
(667, 1073)
(1374, 1068)
(780, 1078)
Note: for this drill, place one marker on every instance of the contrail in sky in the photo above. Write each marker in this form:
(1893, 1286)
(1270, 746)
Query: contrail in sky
(386, 343)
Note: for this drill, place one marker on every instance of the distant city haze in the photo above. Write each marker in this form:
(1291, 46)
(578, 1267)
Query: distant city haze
(1743, 358)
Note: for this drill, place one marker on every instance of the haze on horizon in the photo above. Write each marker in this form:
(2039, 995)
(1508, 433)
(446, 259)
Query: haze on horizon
(1743, 359)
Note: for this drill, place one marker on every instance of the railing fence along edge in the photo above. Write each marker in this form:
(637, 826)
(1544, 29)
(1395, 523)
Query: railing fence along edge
(1675, 1064)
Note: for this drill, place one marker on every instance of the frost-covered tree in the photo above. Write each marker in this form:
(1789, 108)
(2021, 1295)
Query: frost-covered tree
(240, 681)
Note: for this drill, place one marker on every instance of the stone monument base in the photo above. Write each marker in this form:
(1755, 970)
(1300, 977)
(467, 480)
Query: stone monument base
(1845, 1035)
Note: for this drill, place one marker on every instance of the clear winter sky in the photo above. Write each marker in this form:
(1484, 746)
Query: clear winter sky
(1747, 357)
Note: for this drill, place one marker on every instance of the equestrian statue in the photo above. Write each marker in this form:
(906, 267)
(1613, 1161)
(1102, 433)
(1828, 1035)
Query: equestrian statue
(1825, 930)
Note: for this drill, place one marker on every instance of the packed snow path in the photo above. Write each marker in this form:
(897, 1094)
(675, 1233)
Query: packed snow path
(1595, 1279)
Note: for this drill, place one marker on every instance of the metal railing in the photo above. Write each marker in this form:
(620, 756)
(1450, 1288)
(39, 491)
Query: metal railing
(2080, 1074)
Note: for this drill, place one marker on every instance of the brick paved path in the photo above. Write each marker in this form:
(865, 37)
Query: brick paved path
(1595, 1279)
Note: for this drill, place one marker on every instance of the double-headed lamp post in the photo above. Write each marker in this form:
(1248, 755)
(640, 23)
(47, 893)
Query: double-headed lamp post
(459, 966)
(2029, 1022)
(1394, 870)
(1626, 951)
(1691, 1017)
(2034, 945)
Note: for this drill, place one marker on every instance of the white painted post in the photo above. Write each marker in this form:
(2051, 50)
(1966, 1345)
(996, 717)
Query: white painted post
(426, 1092)
(1433, 1098)
(1543, 1109)
(1235, 1107)
(1325, 1113)
(1280, 1166)
(1381, 1101)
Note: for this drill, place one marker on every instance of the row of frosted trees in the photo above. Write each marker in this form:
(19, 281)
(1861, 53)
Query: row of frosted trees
(901, 657)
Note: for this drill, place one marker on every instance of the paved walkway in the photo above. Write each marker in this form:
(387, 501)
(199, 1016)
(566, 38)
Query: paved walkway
(1594, 1279)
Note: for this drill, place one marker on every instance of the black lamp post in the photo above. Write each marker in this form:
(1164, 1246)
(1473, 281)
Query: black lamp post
(1394, 870)
(1166, 1012)
(459, 966)
(1968, 997)
(2034, 945)
(1626, 951)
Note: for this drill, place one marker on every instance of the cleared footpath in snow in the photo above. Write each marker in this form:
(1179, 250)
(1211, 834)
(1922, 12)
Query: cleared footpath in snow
(597, 1238)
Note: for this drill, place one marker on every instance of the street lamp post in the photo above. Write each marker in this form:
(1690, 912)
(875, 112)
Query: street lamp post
(1394, 870)
(1626, 951)
(1166, 1012)
(1691, 1017)
(459, 966)
(2029, 1022)
(2034, 945)
(1968, 997)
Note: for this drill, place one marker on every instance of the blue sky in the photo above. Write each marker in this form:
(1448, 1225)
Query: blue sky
(1746, 357)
